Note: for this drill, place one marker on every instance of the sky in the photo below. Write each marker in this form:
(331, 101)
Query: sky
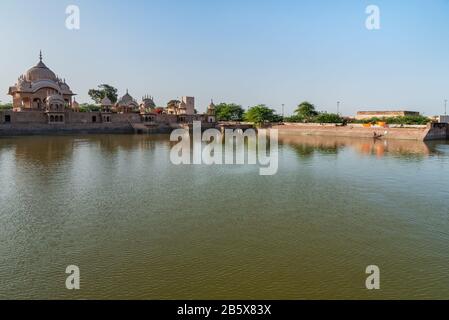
(247, 52)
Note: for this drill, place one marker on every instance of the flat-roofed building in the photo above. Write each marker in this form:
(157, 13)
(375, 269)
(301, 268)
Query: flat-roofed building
(362, 115)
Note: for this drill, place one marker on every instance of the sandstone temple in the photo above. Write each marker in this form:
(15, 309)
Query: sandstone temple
(44, 102)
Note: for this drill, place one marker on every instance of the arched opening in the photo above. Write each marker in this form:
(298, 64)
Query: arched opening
(52, 119)
(37, 103)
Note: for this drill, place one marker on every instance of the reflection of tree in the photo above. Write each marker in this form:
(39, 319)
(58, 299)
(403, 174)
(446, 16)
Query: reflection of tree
(307, 150)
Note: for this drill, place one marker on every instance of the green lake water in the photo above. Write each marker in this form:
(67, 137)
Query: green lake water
(140, 227)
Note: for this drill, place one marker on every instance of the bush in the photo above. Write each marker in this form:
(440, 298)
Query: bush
(294, 118)
(84, 107)
(323, 117)
(405, 120)
(327, 118)
(5, 106)
(409, 120)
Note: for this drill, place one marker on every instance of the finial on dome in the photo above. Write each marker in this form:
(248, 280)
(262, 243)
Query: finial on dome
(40, 55)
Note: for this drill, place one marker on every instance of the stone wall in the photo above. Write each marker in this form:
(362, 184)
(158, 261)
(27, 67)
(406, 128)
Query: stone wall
(438, 131)
(36, 122)
(430, 132)
(361, 115)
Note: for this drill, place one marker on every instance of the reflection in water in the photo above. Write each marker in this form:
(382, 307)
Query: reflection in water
(45, 151)
(140, 227)
(308, 145)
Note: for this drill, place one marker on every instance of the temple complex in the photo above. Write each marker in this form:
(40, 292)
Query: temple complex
(40, 98)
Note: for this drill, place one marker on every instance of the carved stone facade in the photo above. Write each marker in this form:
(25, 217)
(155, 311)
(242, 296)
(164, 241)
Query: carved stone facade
(40, 97)
(40, 89)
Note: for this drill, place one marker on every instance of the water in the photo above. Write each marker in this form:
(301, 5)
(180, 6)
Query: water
(139, 227)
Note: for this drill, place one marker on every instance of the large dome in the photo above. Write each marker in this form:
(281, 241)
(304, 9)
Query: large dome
(40, 72)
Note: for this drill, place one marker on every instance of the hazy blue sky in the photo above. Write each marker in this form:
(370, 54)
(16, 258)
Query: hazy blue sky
(247, 52)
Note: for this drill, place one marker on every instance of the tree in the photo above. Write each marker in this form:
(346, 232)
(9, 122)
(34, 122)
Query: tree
(294, 118)
(104, 90)
(229, 112)
(86, 107)
(260, 114)
(306, 110)
(5, 106)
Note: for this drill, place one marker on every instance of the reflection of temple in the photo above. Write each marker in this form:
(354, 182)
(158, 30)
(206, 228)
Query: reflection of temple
(40, 97)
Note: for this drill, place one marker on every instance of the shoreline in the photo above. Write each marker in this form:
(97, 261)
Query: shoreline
(433, 131)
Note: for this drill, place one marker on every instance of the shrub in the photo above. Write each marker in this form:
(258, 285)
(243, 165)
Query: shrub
(5, 106)
(294, 118)
(328, 118)
(406, 120)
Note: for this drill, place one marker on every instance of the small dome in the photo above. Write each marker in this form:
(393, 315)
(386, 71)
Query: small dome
(106, 102)
(55, 99)
(126, 100)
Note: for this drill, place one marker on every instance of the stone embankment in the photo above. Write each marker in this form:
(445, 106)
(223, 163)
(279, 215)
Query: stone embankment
(433, 131)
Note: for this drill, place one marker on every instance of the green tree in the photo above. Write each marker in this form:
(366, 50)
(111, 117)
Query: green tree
(104, 90)
(85, 107)
(260, 114)
(5, 106)
(306, 110)
(294, 118)
(229, 112)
